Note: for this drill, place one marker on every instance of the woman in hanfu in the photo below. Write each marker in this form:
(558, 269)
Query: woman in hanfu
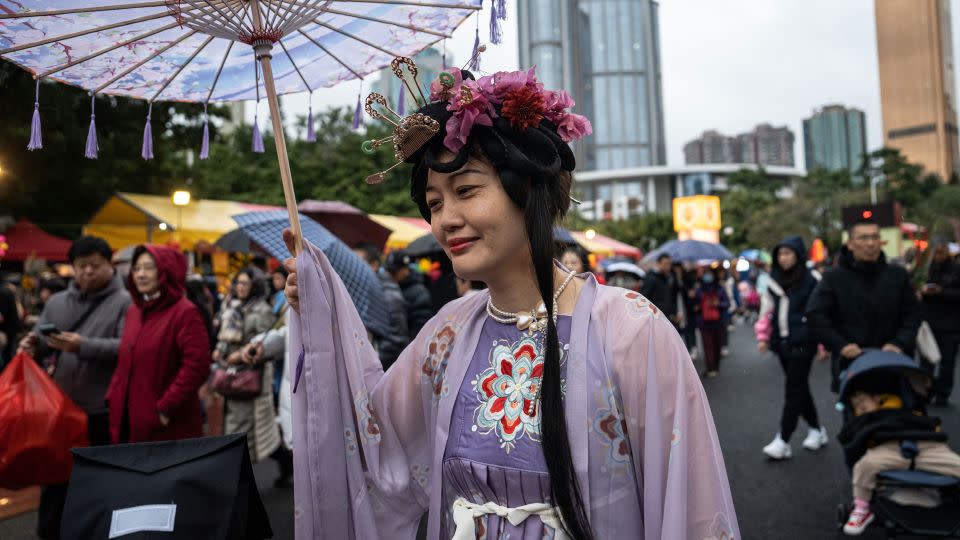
(507, 417)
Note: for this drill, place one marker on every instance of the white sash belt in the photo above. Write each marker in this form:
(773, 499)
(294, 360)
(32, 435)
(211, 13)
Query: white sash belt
(465, 511)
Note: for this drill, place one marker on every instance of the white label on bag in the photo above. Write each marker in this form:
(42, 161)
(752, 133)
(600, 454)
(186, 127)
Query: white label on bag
(152, 517)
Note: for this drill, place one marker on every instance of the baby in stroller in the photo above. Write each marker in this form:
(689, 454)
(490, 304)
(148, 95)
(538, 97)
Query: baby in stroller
(903, 471)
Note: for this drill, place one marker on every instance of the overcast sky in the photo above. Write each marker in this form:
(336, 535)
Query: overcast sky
(731, 64)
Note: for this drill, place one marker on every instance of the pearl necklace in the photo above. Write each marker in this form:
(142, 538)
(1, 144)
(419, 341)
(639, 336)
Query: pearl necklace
(532, 321)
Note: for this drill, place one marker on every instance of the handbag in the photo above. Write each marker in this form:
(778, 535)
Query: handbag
(238, 382)
(927, 344)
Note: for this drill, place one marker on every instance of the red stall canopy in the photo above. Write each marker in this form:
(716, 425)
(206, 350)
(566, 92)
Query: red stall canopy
(26, 239)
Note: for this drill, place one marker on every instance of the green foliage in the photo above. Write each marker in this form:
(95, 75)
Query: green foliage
(59, 188)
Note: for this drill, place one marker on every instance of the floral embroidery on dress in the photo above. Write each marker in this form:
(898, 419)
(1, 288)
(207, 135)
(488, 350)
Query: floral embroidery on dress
(434, 367)
(638, 305)
(366, 418)
(612, 429)
(420, 474)
(350, 439)
(719, 529)
(508, 390)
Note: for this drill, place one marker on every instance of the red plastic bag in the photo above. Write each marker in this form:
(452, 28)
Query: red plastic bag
(39, 425)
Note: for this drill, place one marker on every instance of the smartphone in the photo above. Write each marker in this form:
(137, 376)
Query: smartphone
(48, 329)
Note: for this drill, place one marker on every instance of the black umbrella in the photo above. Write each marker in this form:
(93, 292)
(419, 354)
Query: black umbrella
(235, 241)
(425, 246)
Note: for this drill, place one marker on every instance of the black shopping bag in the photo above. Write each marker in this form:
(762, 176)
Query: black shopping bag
(186, 489)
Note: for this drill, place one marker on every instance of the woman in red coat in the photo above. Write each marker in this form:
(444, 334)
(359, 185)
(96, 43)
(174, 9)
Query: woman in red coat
(164, 354)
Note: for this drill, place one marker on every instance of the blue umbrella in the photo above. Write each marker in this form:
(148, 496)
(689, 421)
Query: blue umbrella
(265, 229)
(690, 250)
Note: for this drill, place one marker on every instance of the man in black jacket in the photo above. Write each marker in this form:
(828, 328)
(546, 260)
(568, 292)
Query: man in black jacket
(940, 307)
(415, 293)
(390, 346)
(863, 303)
(658, 287)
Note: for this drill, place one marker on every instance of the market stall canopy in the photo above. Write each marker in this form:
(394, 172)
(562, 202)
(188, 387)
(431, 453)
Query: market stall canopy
(404, 230)
(131, 218)
(347, 222)
(26, 239)
(604, 246)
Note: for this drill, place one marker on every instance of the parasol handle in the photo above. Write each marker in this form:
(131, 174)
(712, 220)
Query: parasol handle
(286, 178)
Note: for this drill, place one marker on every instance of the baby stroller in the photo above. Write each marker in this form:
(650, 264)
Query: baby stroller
(881, 372)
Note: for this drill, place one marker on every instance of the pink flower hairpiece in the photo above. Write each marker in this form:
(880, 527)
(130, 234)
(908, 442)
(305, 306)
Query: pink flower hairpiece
(521, 98)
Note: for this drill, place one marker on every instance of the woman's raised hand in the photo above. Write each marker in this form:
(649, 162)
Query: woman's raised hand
(290, 290)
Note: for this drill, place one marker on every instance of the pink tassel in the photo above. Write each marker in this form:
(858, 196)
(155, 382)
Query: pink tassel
(311, 131)
(475, 56)
(205, 143)
(496, 33)
(257, 138)
(36, 137)
(357, 118)
(92, 146)
(147, 152)
(402, 101)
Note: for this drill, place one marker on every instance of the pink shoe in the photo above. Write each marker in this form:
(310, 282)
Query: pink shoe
(858, 521)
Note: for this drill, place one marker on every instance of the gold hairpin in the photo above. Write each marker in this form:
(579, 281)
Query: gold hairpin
(410, 133)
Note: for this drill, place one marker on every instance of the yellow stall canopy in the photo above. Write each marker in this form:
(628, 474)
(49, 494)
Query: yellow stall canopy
(130, 218)
(404, 229)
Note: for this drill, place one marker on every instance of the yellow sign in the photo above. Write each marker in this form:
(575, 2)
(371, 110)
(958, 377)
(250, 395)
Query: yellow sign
(698, 212)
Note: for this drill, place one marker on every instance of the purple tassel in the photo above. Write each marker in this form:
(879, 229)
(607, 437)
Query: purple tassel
(311, 132)
(147, 151)
(501, 9)
(475, 58)
(92, 146)
(356, 114)
(444, 57)
(496, 33)
(205, 144)
(402, 101)
(257, 138)
(36, 138)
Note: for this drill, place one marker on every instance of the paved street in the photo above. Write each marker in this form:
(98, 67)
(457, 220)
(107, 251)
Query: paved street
(796, 499)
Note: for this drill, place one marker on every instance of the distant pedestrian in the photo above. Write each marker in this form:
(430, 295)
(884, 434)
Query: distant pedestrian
(659, 287)
(416, 296)
(940, 308)
(782, 328)
(575, 259)
(164, 354)
(863, 302)
(247, 314)
(710, 302)
(390, 346)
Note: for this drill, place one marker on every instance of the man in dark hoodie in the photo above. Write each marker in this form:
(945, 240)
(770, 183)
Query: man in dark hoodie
(863, 303)
(82, 352)
(415, 293)
(782, 328)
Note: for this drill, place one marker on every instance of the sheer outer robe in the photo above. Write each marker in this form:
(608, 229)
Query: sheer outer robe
(368, 445)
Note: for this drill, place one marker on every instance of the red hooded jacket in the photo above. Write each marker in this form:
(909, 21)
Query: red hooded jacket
(164, 358)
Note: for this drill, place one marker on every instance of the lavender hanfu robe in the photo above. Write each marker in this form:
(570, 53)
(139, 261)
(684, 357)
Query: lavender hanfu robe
(370, 447)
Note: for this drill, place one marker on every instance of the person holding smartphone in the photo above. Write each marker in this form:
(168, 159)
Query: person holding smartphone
(78, 345)
(940, 307)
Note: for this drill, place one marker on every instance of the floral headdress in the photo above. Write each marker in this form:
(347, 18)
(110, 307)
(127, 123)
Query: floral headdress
(512, 111)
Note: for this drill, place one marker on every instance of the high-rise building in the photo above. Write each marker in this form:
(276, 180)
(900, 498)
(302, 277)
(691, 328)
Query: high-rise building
(429, 64)
(771, 146)
(915, 50)
(765, 145)
(835, 138)
(711, 147)
(606, 54)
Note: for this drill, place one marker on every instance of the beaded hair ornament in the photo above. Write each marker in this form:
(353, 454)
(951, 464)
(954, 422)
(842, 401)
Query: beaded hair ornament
(504, 100)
